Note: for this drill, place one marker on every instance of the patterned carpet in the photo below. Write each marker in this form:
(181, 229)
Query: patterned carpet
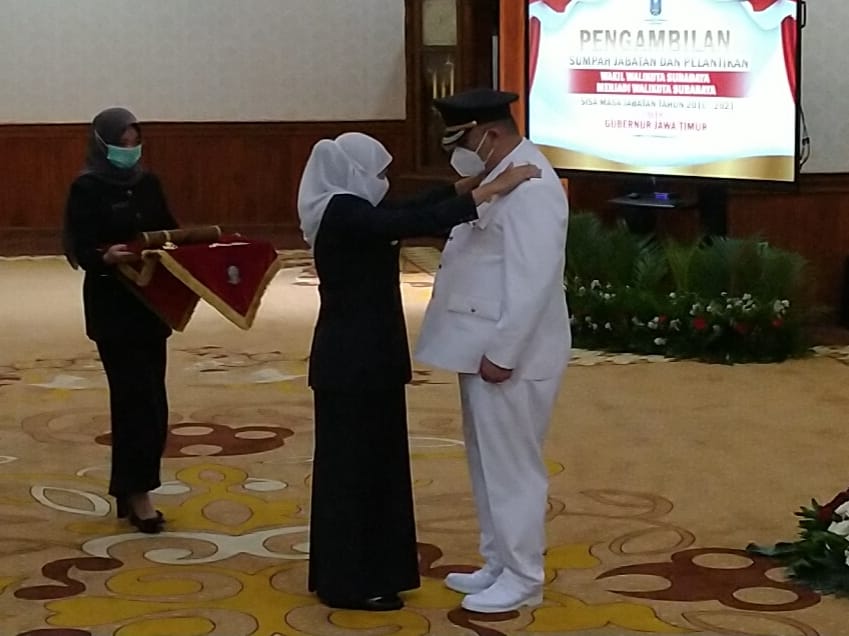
(660, 473)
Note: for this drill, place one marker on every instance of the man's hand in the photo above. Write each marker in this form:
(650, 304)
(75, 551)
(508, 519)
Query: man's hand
(119, 254)
(492, 373)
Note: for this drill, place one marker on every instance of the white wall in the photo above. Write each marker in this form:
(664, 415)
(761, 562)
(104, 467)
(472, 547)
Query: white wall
(202, 60)
(825, 84)
(288, 60)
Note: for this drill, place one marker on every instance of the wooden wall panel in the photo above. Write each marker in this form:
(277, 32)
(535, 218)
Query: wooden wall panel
(812, 220)
(36, 160)
(243, 176)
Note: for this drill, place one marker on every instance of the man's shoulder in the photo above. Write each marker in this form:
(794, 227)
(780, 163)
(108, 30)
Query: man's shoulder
(529, 153)
(547, 187)
(545, 196)
(533, 152)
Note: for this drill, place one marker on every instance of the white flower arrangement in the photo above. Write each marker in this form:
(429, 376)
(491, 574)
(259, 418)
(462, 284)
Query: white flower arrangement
(841, 528)
(820, 557)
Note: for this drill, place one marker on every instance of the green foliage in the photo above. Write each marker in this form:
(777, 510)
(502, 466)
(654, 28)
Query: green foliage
(818, 559)
(727, 300)
(596, 252)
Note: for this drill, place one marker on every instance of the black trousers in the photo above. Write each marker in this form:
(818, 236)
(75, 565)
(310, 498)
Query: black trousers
(362, 525)
(138, 403)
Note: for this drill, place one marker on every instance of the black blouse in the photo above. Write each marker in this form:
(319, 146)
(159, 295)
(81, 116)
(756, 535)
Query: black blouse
(99, 215)
(360, 339)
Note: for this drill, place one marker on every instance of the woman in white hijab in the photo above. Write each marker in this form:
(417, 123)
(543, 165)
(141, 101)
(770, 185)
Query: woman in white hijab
(362, 529)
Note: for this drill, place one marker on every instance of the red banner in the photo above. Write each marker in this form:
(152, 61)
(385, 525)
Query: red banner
(557, 5)
(231, 274)
(669, 84)
(763, 5)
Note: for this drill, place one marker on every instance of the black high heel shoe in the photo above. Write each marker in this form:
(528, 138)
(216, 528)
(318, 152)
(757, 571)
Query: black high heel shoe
(123, 509)
(151, 525)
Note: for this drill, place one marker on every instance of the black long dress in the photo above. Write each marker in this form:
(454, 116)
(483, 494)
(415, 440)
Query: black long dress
(130, 338)
(362, 528)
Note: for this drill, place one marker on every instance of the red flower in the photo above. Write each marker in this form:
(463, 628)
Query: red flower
(741, 327)
(826, 513)
(778, 323)
(699, 323)
(662, 319)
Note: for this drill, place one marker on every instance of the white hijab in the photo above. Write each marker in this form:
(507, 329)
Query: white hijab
(349, 164)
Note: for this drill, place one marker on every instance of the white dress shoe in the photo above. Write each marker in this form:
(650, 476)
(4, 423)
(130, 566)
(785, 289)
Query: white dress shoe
(473, 582)
(502, 596)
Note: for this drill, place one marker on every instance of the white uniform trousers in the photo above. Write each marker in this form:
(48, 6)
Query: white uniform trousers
(504, 426)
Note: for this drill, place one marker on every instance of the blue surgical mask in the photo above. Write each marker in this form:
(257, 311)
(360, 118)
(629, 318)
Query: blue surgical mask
(121, 157)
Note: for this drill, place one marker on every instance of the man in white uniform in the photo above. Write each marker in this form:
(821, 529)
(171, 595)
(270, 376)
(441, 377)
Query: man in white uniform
(498, 318)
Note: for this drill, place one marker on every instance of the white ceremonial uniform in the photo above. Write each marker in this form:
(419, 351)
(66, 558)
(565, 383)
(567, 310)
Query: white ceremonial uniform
(499, 293)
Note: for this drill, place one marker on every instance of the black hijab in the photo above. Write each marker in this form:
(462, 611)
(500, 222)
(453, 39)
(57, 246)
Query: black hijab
(107, 128)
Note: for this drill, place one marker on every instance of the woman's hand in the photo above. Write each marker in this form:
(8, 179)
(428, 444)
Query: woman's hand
(117, 254)
(467, 184)
(506, 182)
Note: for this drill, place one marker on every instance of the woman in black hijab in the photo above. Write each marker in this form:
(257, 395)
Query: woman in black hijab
(109, 204)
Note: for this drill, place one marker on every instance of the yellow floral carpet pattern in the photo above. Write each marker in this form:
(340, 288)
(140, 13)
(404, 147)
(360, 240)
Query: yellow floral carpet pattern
(660, 474)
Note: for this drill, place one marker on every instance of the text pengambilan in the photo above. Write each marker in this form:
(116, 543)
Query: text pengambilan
(655, 40)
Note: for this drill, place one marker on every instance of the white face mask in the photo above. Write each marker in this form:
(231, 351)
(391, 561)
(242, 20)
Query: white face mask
(468, 163)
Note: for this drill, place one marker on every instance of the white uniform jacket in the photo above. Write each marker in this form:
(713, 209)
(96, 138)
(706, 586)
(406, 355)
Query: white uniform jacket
(499, 289)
